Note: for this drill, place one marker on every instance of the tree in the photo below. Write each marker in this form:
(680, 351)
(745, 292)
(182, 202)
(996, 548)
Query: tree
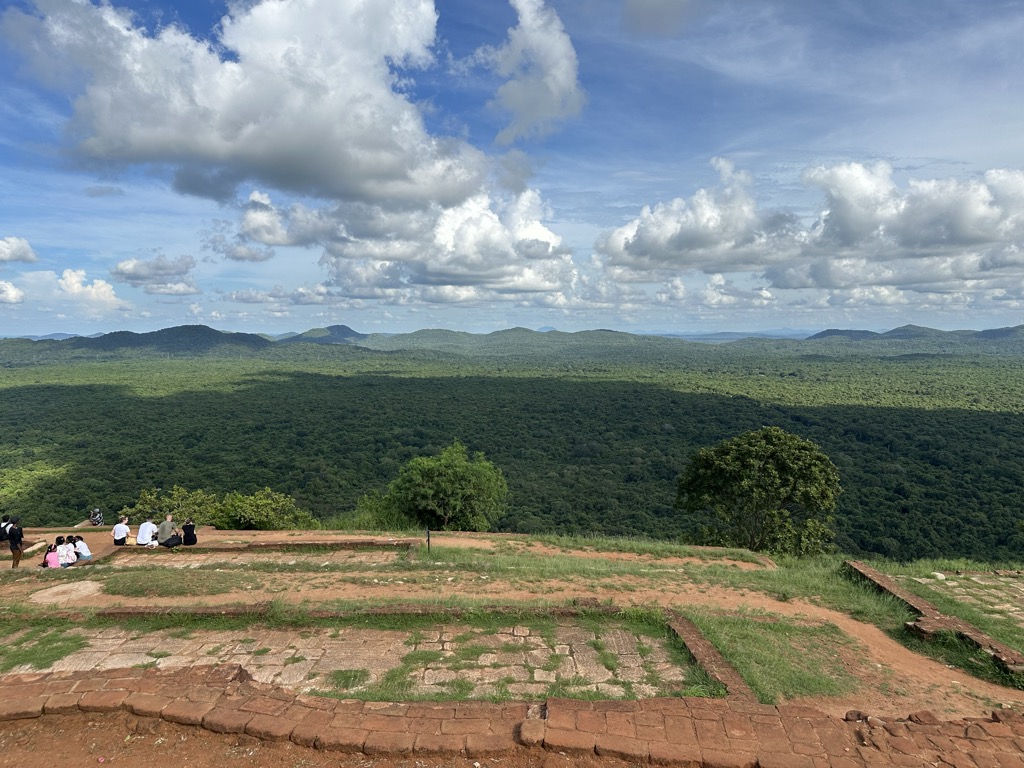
(450, 491)
(764, 490)
(264, 510)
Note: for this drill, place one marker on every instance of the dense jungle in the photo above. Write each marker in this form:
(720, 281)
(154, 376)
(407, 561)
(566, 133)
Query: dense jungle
(590, 429)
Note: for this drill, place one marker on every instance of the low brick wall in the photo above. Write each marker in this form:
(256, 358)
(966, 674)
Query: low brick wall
(689, 732)
(933, 621)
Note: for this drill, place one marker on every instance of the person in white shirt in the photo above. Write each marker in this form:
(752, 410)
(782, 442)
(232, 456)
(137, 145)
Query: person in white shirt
(82, 549)
(147, 534)
(66, 551)
(121, 532)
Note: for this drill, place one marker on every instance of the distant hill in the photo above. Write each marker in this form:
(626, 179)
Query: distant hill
(332, 334)
(522, 343)
(183, 338)
(842, 334)
(918, 339)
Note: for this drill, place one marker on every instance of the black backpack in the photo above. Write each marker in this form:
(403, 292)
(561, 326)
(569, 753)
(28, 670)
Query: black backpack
(3, 532)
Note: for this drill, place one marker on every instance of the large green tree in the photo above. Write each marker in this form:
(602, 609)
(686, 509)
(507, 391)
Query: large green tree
(450, 491)
(763, 490)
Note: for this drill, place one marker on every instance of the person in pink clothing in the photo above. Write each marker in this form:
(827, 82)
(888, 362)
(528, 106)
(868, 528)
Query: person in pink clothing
(51, 559)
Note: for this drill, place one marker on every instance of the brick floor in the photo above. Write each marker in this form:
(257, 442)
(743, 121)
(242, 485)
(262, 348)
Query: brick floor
(683, 733)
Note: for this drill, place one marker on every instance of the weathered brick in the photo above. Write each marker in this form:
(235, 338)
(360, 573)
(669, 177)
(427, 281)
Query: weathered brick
(622, 747)
(102, 701)
(388, 743)
(680, 755)
(439, 744)
(714, 758)
(592, 722)
(306, 732)
(186, 712)
(466, 727)
(376, 723)
(221, 720)
(784, 760)
(146, 704)
(531, 732)
(264, 705)
(483, 745)
(335, 739)
(270, 728)
(61, 703)
(22, 708)
(570, 742)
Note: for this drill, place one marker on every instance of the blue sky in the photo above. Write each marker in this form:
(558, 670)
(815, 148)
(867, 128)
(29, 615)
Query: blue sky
(675, 165)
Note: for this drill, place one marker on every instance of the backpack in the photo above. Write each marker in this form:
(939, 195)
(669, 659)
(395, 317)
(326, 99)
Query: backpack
(3, 531)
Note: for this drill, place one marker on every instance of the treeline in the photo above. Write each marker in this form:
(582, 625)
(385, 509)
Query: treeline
(592, 441)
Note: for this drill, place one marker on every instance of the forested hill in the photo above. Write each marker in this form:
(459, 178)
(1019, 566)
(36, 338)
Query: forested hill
(591, 429)
(522, 343)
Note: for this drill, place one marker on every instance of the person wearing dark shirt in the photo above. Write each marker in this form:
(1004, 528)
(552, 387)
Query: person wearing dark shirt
(16, 538)
(188, 531)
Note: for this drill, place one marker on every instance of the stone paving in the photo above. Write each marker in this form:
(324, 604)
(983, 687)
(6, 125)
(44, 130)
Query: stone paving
(512, 662)
(685, 732)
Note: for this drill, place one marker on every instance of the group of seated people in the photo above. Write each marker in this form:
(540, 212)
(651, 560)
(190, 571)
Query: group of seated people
(152, 535)
(65, 552)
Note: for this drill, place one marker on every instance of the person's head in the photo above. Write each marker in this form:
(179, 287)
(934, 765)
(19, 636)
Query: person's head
(149, 518)
(15, 521)
(124, 519)
(5, 519)
(168, 517)
(60, 540)
(188, 521)
(51, 548)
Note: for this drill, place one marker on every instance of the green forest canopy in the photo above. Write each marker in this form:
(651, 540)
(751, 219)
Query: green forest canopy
(590, 430)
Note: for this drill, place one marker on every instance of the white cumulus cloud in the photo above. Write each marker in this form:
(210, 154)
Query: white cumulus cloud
(10, 293)
(159, 275)
(16, 249)
(299, 94)
(540, 63)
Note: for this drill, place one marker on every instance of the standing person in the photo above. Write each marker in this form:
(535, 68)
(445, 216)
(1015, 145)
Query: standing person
(15, 538)
(188, 531)
(146, 533)
(167, 534)
(121, 532)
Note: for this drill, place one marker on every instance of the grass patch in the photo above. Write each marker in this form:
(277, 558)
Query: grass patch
(38, 645)
(780, 658)
(175, 582)
(347, 679)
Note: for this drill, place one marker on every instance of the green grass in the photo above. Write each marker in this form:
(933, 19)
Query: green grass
(177, 582)
(39, 644)
(646, 546)
(780, 658)
(347, 679)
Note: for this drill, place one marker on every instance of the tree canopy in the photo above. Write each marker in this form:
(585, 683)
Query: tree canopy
(450, 491)
(764, 490)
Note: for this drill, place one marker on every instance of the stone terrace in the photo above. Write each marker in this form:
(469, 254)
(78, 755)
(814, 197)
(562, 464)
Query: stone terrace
(676, 732)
